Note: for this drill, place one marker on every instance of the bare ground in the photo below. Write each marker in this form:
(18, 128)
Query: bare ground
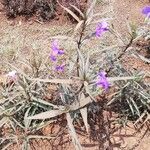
(18, 35)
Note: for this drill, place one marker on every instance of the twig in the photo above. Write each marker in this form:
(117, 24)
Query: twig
(120, 55)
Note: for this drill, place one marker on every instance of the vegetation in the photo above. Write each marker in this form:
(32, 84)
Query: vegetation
(43, 9)
(49, 88)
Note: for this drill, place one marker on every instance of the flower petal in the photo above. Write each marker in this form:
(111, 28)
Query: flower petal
(55, 48)
(60, 52)
(104, 25)
(53, 57)
(101, 28)
(55, 45)
(12, 75)
(146, 10)
(60, 68)
(102, 80)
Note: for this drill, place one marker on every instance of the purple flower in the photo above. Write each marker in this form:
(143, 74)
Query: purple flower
(55, 50)
(101, 28)
(12, 75)
(146, 11)
(102, 80)
(60, 68)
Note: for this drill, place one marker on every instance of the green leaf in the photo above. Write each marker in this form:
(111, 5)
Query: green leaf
(131, 107)
(135, 106)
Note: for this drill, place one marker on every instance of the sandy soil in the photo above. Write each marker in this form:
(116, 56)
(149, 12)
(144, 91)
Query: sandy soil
(129, 9)
(18, 35)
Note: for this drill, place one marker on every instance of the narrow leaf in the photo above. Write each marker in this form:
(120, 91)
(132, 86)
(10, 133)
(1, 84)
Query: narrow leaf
(84, 116)
(73, 133)
(78, 10)
(90, 10)
(7, 145)
(135, 106)
(62, 37)
(70, 12)
(87, 64)
(3, 121)
(47, 114)
(46, 103)
(78, 25)
(62, 81)
(81, 103)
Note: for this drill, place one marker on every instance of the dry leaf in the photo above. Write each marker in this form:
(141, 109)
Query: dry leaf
(81, 103)
(84, 116)
(47, 114)
(70, 12)
(73, 133)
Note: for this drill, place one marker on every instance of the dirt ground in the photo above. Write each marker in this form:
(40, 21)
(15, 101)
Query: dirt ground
(18, 35)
